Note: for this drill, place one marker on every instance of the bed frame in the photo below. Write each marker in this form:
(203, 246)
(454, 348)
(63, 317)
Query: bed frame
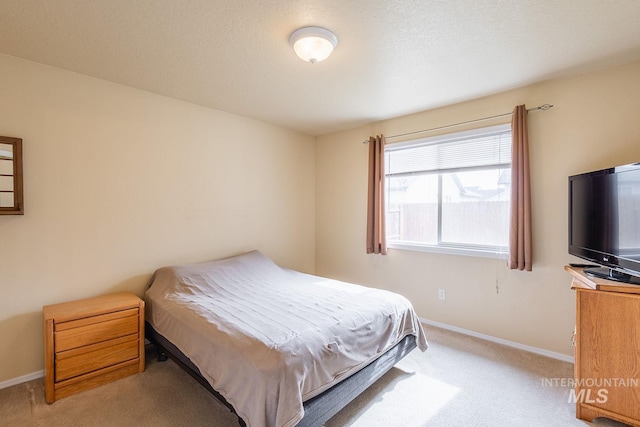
(317, 410)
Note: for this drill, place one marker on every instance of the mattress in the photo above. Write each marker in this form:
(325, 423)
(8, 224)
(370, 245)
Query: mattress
(268, 338)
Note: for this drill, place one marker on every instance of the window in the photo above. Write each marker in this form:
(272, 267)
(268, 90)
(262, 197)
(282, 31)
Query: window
(450, 193)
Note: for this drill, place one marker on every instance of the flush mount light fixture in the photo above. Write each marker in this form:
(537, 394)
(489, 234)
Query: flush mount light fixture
(313, 44)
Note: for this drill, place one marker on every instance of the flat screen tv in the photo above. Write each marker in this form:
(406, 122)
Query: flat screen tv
(604, 221)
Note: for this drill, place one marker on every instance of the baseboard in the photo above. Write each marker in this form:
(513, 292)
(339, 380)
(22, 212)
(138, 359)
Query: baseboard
(22, 379)
(530, 349)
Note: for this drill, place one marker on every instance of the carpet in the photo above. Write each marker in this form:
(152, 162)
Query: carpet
(459, 381)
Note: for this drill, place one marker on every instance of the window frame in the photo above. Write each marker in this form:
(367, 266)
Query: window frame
(482, 251)
(15, 158)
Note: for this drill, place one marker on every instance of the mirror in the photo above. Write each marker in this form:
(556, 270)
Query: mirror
(11, 197)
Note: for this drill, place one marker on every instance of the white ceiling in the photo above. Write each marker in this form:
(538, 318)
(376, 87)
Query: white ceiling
(394, 57)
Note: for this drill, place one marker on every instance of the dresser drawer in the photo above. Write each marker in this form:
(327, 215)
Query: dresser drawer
(95, 329)
(87, 359)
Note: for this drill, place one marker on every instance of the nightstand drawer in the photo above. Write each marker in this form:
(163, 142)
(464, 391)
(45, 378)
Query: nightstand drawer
(83, 360)
(91, 330)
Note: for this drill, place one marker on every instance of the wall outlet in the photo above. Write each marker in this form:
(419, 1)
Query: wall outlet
(441, 294)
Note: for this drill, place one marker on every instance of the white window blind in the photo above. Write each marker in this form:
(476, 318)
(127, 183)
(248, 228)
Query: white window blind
(478, 149)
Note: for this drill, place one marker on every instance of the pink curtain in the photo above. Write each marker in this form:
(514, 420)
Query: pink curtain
(376, 235)
(520, 220)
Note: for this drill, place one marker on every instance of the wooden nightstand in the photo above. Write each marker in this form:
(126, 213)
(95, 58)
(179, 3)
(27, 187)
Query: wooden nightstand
(91, 342)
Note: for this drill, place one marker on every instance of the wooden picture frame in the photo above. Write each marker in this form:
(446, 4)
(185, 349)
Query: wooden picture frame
(11, 180)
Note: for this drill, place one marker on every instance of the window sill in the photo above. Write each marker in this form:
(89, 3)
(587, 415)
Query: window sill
(497, 253)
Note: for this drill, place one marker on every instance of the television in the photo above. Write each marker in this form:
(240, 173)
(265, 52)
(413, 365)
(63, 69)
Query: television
(604, 222)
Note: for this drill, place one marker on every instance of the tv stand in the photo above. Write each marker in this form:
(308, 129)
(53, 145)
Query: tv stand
(607, 349)
(611, 274)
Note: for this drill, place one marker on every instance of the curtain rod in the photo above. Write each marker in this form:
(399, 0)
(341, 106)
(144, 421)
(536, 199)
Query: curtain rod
(541, 107)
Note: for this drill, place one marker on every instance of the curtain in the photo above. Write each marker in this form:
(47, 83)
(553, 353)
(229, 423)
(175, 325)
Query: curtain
(520, 219)
(376, 235)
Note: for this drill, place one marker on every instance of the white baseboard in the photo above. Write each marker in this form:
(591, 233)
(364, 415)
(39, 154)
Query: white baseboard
(22, 379)
(530, 349)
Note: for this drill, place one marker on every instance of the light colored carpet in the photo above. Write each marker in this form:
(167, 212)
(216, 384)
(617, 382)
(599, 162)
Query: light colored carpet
(459, 381)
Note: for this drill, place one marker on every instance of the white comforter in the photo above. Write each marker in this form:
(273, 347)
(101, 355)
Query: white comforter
(268, 338)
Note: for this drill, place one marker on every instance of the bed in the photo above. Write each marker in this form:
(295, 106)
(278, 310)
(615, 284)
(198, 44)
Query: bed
(280, 347)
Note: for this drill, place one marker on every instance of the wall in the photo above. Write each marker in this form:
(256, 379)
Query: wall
(119, 182)
(593, 125)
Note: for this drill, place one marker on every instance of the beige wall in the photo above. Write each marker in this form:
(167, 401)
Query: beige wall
(119, 182)
(594, 124)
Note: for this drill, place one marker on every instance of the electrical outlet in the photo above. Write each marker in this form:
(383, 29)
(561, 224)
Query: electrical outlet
(441, 294)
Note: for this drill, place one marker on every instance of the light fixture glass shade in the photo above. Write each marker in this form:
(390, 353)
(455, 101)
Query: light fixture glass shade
(313, 44)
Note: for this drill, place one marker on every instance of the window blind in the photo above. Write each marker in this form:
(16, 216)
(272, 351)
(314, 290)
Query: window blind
(477, 149)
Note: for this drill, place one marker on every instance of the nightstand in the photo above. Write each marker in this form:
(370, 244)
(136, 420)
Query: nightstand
(91, 342)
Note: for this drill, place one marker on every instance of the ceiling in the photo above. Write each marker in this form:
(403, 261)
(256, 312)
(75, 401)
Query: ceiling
(394, 57)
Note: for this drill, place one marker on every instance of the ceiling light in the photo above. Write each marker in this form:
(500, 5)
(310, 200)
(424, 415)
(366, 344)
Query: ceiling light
(313, 44)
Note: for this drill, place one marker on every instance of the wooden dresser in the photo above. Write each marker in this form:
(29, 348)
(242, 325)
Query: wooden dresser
(607, 352)
(91, 342)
